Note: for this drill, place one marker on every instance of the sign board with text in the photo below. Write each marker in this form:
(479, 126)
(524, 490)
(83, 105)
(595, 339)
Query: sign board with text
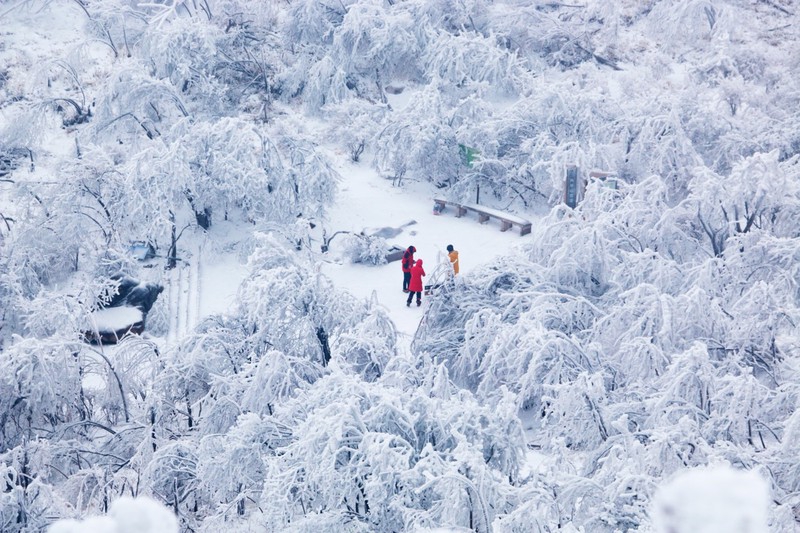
(571, 187)
(468, 154)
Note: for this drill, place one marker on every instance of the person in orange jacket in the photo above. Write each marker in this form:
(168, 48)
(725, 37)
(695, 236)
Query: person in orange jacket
(453, 255)
(415, 285)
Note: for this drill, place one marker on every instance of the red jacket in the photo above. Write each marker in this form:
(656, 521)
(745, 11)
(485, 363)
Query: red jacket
(415, 285)
(408, 259)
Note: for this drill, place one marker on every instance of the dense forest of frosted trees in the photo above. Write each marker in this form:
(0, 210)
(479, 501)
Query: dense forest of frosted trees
(651, 329)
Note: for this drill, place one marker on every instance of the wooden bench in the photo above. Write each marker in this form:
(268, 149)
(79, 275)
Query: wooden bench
(507, 220)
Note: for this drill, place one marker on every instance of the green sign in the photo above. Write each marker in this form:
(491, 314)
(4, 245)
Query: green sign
(468, 155)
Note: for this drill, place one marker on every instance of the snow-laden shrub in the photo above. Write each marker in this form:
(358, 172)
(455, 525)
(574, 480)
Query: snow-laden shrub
(370, 345)
(367, 249)
(391, 458)
(466, 60)
(420, 143)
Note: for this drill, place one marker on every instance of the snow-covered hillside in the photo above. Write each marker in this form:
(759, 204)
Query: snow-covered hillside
(577, 378)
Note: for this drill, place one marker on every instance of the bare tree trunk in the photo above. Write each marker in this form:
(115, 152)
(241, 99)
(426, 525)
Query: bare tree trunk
(322, 337)
(172, 256)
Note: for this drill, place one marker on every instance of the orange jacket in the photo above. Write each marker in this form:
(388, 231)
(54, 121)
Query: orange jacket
(454, 260)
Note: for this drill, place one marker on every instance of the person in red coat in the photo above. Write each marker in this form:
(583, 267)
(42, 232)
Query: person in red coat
(415, 285)
(407, 263)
